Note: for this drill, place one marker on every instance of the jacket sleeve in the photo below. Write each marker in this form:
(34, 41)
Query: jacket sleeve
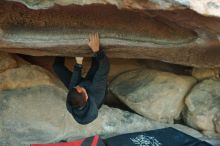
(84, 115)
(70, 79)
(62, 72)
(103, 67)
(99, 82)
(76, 76)
(92, 70)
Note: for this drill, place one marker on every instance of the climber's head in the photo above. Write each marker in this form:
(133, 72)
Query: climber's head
(77, 97)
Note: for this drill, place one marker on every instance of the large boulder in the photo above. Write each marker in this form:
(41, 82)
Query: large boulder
(26, 76)
(33, 110)
(23, 87)
(32, 115)
(203, 107)
(38, 115)
(153, 94)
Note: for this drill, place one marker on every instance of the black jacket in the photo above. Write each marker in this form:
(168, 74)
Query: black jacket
(95, 84)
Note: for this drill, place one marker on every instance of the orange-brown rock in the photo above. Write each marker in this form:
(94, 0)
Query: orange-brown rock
(6, 61)
(63, 30)
(205, 7)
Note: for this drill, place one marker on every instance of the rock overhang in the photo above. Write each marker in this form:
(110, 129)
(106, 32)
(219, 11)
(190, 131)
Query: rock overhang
(79, 20)
(63, 30)
(205, 7)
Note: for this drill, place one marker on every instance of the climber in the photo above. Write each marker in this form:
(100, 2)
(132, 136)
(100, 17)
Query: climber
(86, 95)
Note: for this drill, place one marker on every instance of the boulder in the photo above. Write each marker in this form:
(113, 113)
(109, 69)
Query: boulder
(38, 115)
(154, 94)
(26, 76)
(33, 110)
(32, 115)
(203, 107)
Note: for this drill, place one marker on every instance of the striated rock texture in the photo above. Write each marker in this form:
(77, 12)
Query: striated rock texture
(153, 94)
(205, 7)
(75, 22)
(203, 107)
(63, 30)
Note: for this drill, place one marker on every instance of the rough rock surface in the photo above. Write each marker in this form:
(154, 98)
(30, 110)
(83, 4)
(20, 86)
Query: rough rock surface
(203, 107)
(205, 7)
(153, 94)
(155, 34)
(205, 73)
(6, 62)
(25, 76)
(84, 20)
(36, 113)
(29, 115)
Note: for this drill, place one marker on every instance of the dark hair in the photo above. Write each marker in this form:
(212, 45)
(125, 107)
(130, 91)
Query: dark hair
(75, 99)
